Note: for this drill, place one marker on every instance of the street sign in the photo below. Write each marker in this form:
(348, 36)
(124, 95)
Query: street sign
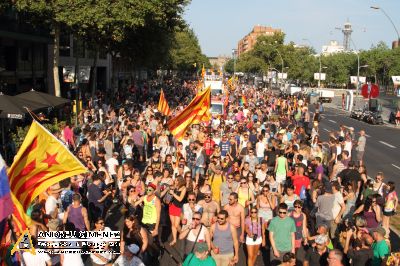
(353, 79)
(282, 75)
(396, 80)
(370, 91)
(316, 76)
(68, 74)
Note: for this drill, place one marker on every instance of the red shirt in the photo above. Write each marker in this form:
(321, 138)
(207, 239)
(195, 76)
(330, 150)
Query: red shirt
(209, 146)
(299, 181)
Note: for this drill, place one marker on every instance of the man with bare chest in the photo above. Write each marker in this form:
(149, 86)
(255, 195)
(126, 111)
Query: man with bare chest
(236, 214)
(210, 209)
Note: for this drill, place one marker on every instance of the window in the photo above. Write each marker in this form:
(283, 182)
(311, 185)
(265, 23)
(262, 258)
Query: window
(65, 45)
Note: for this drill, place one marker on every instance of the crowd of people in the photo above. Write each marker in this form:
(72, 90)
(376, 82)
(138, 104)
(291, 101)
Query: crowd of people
(256, 186)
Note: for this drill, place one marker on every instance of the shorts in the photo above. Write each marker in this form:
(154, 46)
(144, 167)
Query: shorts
(281, 178)
(198, 170)
(251, 242)
(390, 213)
(359, 155)
(222, 259)
(174, 210)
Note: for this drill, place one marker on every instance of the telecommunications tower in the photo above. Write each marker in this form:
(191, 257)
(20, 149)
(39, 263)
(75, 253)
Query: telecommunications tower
(346, 35)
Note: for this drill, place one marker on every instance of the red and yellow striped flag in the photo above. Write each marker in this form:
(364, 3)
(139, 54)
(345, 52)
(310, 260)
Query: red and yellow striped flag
(203, 72)
(41, 162)
(163, 105)
(197, 111)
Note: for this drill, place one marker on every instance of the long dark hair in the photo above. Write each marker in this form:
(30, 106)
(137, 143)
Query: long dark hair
(135, 226)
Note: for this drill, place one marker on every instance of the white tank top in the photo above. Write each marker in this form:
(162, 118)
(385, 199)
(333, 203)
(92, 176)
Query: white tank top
(202, 235)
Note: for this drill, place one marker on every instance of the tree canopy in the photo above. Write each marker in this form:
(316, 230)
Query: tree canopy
(301, 62)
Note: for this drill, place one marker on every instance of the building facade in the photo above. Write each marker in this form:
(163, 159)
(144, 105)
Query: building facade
(332, 48)
(23, 54)
(248, 41)
(219, 62)
(26, 57)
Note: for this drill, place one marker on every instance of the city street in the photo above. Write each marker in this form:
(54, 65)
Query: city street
(382, 149)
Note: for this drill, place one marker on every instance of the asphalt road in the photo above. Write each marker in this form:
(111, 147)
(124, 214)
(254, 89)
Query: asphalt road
(382, 152)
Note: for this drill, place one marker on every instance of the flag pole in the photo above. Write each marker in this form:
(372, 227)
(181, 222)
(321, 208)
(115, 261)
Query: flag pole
(32, 114)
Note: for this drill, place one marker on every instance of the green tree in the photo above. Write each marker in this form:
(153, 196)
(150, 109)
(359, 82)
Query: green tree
(102, 23)
(186, 51)
(229, 66)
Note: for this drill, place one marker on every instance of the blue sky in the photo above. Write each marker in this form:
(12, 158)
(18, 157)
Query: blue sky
(219, 24)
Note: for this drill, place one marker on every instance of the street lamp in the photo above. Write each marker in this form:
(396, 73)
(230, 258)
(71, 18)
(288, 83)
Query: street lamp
(391, 21)
(234, 66)
(320, 65)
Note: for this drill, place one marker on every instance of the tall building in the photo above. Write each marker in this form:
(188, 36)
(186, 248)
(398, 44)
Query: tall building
(332, 48)
(23, 54)
(26, 56)
(248, 41)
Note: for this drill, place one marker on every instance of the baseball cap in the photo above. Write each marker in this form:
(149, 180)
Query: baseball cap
(201, 247)
(133, 248)
(153, 186)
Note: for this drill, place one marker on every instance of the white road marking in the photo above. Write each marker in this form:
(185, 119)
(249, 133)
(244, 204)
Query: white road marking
(326, 130)
(333, 121)
(398, 167)
(368, 136)
(387, 144)
(323, 116)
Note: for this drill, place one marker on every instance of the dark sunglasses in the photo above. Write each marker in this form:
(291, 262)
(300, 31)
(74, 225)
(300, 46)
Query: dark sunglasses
(254, 212)
(298, 207)
(282, 212)
(196, 219)
(207, 197)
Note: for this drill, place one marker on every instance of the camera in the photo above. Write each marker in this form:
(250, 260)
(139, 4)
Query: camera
(255, 236)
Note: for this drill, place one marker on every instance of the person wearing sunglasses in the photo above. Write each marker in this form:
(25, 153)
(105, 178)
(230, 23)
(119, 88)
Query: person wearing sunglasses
(210, 209)
(255, 235)
(189, 209)
(266, 202)
(196, 232)
(281, 234)
(151, 210)
(300, 221)
(246, 197)
(225, 244)
(236, 215)
(227, 188)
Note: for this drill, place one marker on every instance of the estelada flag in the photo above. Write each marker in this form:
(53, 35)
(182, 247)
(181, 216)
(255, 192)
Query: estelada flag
(203, 72)
(41, 162)
(197, 111)
(163, 105)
